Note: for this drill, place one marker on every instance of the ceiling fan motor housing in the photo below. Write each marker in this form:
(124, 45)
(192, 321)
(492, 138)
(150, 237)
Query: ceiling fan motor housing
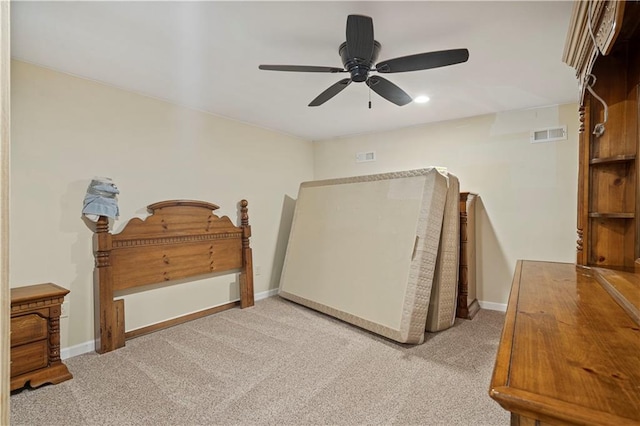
(358, 67)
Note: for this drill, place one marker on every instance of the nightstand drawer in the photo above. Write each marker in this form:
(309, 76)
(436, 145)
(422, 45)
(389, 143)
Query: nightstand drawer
(28, 328)
(29, 357)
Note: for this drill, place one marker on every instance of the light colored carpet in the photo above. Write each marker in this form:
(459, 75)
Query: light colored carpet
(274, 364)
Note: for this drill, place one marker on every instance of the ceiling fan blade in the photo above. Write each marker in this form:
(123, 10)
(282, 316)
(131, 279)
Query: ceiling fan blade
(423, 61)
(330, 92)
(388, 90)
(360, 38)
(300, 68)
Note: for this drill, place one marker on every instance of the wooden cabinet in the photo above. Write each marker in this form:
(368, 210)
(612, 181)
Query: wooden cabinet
(35, 336)
(609, 74)
(568, 352)
(467, 303)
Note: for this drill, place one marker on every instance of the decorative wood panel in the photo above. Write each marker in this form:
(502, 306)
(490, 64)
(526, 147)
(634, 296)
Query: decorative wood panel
(173, 261)
(28, 328)
(612, 242)
(25, 358)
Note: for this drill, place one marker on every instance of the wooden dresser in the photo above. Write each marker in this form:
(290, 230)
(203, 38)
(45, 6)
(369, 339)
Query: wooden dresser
(35, 336)
(467, 305)
(569, 353)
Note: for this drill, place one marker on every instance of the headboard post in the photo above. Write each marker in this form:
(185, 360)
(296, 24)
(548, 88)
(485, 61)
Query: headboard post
(105, 311)
(246, 276)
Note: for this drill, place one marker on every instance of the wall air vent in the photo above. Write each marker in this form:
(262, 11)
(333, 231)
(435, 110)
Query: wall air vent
(363, 157)
(549, 134)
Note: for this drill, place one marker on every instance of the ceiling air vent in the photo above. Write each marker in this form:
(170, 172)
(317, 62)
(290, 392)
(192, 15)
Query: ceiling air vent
(549, 134)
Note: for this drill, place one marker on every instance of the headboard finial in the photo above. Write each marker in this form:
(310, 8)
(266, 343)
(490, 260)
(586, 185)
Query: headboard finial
(244, 213)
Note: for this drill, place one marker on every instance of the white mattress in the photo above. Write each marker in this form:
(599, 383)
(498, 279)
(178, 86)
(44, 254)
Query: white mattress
(444, 291)
(364, 250)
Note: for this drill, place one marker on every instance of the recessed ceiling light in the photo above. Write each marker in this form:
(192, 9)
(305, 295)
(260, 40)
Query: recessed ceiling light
(422, 99)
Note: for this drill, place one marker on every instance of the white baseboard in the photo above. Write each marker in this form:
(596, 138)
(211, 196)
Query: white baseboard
(491, 306)
(76, 350)
(89, 346)
(265, 294)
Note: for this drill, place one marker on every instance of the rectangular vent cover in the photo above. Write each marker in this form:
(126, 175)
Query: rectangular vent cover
(549, 134)
(363, 157)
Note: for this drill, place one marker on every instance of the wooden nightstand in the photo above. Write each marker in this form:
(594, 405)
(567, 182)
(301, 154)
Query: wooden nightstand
(35, 336)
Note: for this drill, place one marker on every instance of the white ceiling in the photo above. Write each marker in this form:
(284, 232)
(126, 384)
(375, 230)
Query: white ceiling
(205, 55)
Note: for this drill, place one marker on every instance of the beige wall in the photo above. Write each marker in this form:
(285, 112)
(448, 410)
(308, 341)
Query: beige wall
(66, 130)
(527, 191)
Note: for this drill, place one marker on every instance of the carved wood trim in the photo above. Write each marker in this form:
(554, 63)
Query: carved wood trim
(30, 305)
(177, 203)
(176, 240)
(54, 337)
(584, 154)
(609, 27)
(580, 52)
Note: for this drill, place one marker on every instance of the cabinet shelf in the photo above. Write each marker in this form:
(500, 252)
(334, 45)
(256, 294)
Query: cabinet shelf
(615, 159)
(612, 215)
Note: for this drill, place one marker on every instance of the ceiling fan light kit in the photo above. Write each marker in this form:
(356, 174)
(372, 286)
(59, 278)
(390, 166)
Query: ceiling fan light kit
(358, 55)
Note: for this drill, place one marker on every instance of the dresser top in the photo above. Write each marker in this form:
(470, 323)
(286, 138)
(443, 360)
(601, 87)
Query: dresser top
(568, 353)
(36, 292)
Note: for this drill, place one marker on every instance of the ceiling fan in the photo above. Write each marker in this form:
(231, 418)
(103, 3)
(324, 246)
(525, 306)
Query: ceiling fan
(359, 53)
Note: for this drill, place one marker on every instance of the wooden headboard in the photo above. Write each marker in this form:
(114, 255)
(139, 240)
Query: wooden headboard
(180, 239)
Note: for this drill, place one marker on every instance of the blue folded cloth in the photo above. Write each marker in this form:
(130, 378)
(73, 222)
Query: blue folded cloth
(100, 199)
